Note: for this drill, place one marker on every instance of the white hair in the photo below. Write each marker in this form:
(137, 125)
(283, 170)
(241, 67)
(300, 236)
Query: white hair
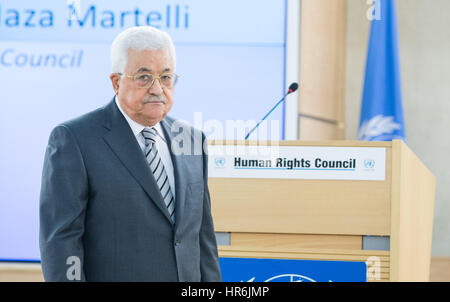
(139, 38)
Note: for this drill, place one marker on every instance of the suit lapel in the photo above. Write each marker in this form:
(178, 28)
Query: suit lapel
(121, 140)
(179, 167)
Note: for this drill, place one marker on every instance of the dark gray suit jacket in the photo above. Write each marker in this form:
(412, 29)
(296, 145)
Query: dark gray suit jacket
(99, 202)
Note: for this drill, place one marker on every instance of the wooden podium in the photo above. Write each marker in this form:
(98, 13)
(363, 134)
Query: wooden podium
(332, 219)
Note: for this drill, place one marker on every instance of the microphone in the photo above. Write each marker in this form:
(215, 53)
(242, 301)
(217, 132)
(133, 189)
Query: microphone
(292, 88)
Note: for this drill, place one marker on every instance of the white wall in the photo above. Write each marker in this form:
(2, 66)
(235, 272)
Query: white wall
(424, 33)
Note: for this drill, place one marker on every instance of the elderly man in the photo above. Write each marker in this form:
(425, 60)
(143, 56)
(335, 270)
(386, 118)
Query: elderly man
(117, 202)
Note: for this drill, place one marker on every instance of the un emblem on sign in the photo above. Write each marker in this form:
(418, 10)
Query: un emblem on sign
(219, 162)
(290, 278)
(369, 163)
(287, 278)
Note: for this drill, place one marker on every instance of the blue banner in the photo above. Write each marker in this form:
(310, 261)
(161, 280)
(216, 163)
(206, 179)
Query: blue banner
(283, 270)
(382, 110)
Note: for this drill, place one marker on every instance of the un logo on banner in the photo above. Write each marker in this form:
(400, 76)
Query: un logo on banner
(287, 278)
(290, 278)
(219, 162)
(369, 163)
(379, 127)
(374, 11)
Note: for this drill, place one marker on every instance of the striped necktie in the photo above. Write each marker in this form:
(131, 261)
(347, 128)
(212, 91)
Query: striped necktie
(157, 168)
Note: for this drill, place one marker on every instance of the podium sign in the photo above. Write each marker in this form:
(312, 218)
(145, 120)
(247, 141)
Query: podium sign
(297, 162)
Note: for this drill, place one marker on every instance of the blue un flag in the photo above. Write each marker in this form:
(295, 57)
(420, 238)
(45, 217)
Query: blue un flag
(382, 110)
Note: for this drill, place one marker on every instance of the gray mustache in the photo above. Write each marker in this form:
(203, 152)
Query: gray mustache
(153, 99)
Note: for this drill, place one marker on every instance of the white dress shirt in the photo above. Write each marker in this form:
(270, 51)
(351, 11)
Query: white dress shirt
(161, 145)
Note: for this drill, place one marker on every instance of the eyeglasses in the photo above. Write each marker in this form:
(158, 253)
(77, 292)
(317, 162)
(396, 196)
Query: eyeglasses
(146, 80)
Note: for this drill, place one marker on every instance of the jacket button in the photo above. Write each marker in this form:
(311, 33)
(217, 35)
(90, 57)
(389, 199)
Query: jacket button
(177, 242)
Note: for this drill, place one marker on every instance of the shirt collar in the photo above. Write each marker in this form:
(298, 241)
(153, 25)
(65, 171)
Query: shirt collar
(135, 126)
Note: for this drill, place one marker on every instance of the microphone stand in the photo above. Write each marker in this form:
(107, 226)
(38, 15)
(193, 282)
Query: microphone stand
(273, 108)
